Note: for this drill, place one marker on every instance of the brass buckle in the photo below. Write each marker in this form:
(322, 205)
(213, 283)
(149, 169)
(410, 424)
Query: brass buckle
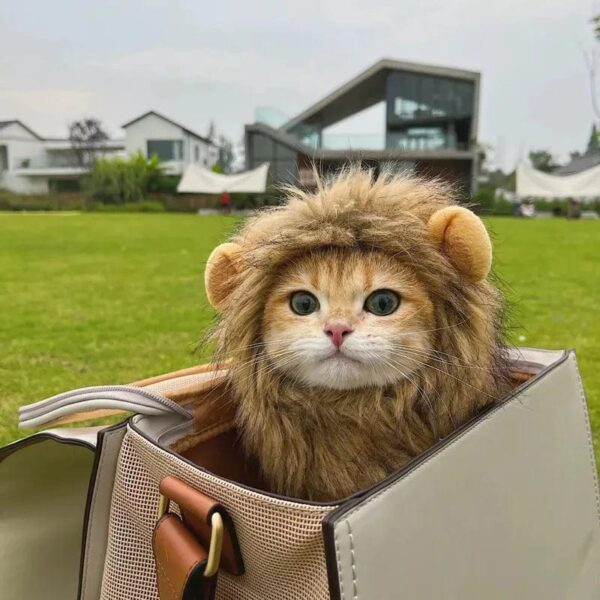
(216, 536)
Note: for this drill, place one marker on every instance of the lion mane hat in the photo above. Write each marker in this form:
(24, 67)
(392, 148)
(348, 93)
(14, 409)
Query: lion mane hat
(416, 221)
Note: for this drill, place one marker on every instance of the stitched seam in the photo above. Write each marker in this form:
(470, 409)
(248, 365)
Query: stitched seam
(588, 430)
(339, 564)
(440, 450)
(190, 569)
(167, 579)
(353, 558)
(187, 576)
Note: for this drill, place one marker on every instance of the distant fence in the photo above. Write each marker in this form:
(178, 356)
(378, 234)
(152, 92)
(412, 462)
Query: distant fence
(187, 202)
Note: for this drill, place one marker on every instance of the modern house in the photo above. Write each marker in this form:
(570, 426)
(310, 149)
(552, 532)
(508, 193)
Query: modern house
(175, 145)
(32, 164)
(431, 119)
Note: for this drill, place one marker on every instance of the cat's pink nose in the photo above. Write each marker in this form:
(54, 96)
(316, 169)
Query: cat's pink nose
(338, 332)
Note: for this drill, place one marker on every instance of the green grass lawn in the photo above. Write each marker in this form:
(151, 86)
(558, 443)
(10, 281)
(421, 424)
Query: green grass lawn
(91, 299)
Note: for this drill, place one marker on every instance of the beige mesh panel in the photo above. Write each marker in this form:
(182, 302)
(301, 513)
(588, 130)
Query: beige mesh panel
(281, 541)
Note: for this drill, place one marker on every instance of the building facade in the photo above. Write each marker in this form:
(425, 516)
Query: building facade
(431, 120)
(175, 145)
(32, 164)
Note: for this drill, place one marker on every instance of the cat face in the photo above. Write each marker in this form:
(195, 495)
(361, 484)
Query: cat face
(346, 319)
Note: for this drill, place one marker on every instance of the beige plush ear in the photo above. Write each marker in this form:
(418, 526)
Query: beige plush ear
(220, 272)
(464, 239)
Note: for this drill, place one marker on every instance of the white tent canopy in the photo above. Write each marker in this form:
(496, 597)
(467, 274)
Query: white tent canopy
(537, 184)
(198, 180)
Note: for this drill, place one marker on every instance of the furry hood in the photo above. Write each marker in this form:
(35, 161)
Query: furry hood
(447, 248)
(417, 222)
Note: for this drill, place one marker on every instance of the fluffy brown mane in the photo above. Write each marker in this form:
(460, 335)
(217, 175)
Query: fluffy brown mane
(325, 444)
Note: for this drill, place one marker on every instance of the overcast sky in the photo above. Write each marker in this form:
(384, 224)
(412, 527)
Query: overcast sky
(197, 60)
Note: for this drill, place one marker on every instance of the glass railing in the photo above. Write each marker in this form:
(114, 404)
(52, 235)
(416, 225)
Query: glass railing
(44, 162)
(360, 141)
(272, 117)
(378, 142)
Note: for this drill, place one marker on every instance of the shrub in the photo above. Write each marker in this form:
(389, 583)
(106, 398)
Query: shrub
(484, 201)
(119, 180)
(166, 184)
(18, 202)
(556, 207)
(144, 206)
(10, 201)
(503, 207)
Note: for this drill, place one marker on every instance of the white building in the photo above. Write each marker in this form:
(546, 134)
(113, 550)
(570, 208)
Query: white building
(32, 164)
(175, 145)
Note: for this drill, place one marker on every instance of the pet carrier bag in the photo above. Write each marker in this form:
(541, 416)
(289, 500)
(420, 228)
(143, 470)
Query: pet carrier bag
(164, 506)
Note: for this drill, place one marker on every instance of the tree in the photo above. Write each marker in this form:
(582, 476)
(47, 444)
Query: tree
(226, 154)
(120, 180)
(86, 138)
(591, 60)
(596, 26)
(212, 131)
(542, 160)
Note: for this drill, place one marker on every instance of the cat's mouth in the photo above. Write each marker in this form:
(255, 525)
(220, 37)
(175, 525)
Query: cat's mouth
(340, 355)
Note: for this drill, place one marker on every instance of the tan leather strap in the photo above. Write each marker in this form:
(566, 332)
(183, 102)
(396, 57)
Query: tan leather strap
(180, 373)
(184, 548)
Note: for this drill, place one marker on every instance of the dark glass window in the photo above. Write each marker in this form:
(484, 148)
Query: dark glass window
(3, 158)
(414, 97)
(427, 112)
(262, 148)
(165, 149)
(282, 159)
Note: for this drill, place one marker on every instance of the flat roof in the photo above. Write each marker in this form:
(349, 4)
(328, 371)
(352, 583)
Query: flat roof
(365, 90)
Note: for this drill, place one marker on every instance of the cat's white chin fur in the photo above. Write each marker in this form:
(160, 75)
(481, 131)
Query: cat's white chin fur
(343, 373)
(362, 362)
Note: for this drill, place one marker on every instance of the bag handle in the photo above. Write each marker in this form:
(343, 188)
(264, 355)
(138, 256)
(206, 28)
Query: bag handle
(165, 394)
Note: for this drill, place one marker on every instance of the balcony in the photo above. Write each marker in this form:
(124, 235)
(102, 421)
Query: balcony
(411, 140)
(48, 165)
(360, 141)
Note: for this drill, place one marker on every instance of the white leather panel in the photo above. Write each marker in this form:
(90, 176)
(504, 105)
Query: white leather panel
(509, 510)
(88, 435)
(96, 535)
(43, 488)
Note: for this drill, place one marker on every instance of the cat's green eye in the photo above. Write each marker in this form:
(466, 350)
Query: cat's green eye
(382, 302)
(303, 303)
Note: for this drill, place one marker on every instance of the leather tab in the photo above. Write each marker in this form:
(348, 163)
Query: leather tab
(181, 545)
(180, 562)
(197, 510)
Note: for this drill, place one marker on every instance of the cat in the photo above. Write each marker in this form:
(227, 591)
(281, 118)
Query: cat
(361, 328)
